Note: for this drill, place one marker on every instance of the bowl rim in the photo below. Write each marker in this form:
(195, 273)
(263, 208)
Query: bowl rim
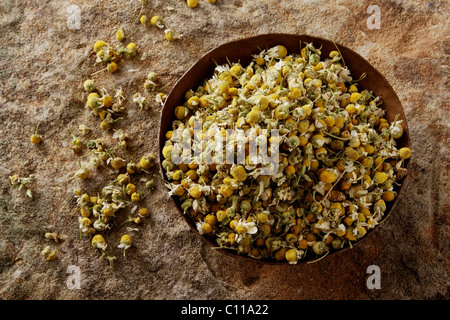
(307, 39)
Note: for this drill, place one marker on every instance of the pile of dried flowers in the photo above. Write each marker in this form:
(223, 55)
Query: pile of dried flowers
(338, 163)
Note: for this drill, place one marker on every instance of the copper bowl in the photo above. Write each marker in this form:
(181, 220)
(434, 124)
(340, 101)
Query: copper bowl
(241, 50)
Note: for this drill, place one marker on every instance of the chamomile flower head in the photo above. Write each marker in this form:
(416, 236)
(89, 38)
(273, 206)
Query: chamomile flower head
(99, 242)
(244, 228)
(404, 153)
(171, 35)
(100, 44)
(191, 3)
(157, 21)
(125, 243)
(143, 19)
(48, 253)
(116, 163)
(89, 85)
(35, 137)
(84, 224)
(204, 228)
(82, 173)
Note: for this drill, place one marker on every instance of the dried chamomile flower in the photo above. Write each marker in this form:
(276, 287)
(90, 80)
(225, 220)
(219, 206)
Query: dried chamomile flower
(147, 161)
(244, 228)
(150, 184)
(238, 172)
(120, 135)
(111, 259)
(136, 196)
(52, 236)
(172, 35)
(106, 99)
(293, 255)
(160, 98)
(212, 1)
(89, 85)
(116, 162)
(84, 130)
(77, 143)
(108, 122)
(82, 173)
(119, 96)
(29, 193)
(319, 248)
(191, 3)
(35, 137)
(141, 101)
(84, 224)
(99, 242)
(123, 178)
(150, 82)
(404, 153)
(136, 220)
(112, 67)
(125, 243)
(132, 168)
(144, 212)
(100, 44)
(129, 51)
(93, 100)
(130, 188)
(328, 176)
(132, 47)
(153, 76)
(149, 85)
(157, 21)
(95, 144)
(48, 254)
(120, 34)
(22, 183)
(143, 19)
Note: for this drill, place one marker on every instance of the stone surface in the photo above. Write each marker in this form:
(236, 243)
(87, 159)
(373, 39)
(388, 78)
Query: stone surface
(43, 63)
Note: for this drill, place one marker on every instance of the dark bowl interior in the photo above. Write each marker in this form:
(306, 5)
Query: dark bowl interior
(241, 50)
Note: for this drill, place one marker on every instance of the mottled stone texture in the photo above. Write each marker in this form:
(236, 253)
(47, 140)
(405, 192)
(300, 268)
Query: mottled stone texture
(42, 66)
